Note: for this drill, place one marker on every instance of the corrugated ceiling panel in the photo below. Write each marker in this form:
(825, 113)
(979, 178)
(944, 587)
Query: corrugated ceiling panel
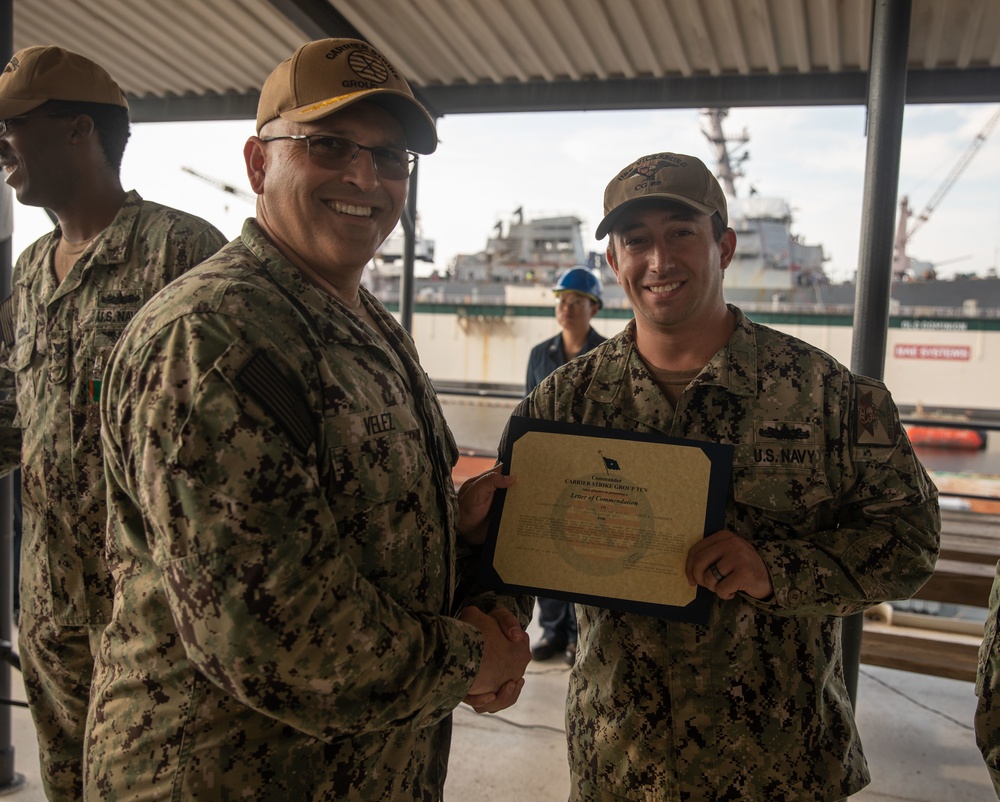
(418, 40)
(978, 45)
(166, 47)
(570, 52)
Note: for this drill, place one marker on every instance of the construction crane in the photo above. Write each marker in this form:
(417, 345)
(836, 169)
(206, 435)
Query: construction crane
(243, 194)
(905, 229)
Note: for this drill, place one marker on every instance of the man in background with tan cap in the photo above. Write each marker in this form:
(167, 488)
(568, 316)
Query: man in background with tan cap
(283, 523)
(63, 128)
(830, 512)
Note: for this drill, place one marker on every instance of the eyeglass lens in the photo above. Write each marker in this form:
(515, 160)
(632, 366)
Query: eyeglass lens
(336, 153)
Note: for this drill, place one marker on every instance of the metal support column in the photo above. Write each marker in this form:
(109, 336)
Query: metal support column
(9, 779)
(886, 98)
(406, 284)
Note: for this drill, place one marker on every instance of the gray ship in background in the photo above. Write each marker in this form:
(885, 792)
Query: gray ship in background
(475, 325)
(774, 268)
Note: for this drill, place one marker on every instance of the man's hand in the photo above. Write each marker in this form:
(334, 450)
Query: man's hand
(475, 497)
(725, 563)
(507, 653)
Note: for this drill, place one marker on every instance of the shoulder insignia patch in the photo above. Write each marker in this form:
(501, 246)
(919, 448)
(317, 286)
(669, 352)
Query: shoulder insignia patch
(263, 380)
(874, 416)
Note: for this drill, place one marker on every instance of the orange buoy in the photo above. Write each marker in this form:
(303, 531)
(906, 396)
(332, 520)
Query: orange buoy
(946, 437)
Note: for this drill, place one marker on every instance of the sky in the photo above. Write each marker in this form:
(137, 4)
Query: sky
(486, 166)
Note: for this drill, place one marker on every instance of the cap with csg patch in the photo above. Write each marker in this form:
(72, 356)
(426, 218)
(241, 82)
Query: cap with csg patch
(328, 75)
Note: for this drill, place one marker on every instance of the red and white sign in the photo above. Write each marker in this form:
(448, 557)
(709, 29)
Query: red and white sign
(954, 352)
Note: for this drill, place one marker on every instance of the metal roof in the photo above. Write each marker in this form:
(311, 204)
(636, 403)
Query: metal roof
(206, 59)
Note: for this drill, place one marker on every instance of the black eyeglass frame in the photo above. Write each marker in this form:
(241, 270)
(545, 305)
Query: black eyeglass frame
(5, 123)
(408, 163)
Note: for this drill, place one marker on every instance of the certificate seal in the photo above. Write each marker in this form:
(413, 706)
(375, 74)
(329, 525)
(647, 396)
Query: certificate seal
(602, 523)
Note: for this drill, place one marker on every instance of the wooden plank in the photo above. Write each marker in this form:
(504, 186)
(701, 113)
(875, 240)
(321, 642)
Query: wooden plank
(969, 523)
(939, 654)
(972, 550)
(970, 537)
(957, 582)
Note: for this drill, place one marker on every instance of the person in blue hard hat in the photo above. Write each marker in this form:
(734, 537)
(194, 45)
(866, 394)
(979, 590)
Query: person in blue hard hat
(578, 299)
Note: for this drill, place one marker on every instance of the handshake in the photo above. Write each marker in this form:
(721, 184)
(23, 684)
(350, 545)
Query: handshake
(507, 652)
(505, 657)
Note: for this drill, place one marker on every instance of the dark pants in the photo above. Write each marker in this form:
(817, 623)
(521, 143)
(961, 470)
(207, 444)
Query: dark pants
(558, 621)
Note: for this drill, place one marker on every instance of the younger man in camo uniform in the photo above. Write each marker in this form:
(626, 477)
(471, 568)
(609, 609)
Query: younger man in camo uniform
(830, 512)
(63, 127)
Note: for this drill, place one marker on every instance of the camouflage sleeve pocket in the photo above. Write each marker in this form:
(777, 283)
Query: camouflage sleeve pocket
(21, 353)
(235, 437)
(20, 360)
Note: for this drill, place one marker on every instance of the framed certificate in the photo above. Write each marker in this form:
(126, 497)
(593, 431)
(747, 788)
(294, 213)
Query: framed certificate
(606, 517)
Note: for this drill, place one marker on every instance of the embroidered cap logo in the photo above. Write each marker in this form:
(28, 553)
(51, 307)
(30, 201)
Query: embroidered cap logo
(368, 66)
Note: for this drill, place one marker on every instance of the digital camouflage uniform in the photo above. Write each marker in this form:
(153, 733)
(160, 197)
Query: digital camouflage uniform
(988, 688)
(57, 337)
(284, 550)
(751, 707)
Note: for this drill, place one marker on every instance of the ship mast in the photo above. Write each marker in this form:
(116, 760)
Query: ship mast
(727, 165)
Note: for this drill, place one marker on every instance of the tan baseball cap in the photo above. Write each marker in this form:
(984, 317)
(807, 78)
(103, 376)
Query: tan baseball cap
(328, 75)
(35, 75)
(668, 176)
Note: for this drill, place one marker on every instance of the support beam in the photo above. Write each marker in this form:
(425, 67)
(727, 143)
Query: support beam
(406, 282)
(9, 778)
(843, 89)
(316, 18)
(886, 98)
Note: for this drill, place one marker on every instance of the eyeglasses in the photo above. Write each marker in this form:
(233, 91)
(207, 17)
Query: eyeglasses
(5, 124)
(335, 153)
(572, 301)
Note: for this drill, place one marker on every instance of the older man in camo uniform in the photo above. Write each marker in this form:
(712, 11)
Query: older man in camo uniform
(830, 512)
(63, 128)
(284, 521)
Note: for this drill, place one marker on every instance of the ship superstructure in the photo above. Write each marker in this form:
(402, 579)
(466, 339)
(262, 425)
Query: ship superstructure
(525, 251)
(768, 255)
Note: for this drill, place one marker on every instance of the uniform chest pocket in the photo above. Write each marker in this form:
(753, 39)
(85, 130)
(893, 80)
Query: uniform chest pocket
(375, 458)
(779, 500)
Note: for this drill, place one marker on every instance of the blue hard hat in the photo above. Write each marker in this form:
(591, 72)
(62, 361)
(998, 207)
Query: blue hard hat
(582, 280)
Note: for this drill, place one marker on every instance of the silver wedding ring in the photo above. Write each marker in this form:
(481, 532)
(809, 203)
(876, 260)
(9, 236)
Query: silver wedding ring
(714, 568)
